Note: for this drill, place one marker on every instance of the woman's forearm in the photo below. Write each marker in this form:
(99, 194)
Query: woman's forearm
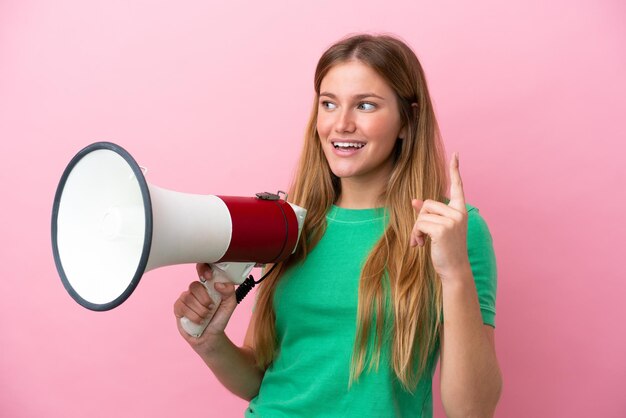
(470, 376)
(234, 367)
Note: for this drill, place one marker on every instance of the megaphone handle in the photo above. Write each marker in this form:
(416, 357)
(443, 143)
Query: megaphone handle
(194, 329)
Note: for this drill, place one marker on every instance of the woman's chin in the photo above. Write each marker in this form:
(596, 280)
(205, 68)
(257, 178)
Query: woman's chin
(344, 174)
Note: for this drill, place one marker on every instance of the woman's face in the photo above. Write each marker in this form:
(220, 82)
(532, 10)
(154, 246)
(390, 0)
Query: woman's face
(358, 122)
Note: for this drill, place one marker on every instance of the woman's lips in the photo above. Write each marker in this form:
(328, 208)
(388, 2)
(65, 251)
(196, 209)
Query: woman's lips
(346, 148)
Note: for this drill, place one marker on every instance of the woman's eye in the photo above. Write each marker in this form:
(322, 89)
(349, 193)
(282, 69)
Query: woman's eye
(367, 106)
(328, 105)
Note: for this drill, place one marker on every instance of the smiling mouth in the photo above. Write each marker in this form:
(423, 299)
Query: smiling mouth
(347, 145)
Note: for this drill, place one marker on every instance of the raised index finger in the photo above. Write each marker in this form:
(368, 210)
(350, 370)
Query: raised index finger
(457, 196)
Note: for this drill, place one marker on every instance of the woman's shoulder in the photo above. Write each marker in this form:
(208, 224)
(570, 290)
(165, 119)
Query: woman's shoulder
(473, 215)
(477, 228)
(480, 250)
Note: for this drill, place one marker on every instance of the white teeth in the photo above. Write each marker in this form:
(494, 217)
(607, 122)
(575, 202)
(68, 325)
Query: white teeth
(348, 145)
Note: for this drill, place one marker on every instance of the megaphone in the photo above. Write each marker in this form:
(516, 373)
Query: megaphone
(110, 226)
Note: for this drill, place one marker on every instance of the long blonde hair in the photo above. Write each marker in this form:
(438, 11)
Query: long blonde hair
(392, 270)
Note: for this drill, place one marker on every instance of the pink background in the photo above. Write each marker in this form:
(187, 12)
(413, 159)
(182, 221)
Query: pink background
(213, 97)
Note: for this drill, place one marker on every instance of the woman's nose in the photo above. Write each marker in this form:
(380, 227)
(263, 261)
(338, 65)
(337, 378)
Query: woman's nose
(345, 122)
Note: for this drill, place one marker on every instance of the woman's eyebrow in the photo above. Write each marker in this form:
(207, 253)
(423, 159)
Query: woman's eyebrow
(356, 96)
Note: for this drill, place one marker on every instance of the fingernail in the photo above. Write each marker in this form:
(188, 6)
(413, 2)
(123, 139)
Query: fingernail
(211, 307)
(220, 285)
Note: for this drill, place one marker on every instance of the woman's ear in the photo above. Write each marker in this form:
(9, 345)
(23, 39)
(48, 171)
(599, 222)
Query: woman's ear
(402, 134)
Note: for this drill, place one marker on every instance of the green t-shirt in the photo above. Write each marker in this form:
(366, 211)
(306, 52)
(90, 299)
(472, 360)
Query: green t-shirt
(316, 305)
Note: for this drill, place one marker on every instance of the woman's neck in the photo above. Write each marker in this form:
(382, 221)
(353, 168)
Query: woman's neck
(357, 194)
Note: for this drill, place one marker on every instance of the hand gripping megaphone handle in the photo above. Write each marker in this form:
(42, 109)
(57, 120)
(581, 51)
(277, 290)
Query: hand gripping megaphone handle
(222, 273)
(194, 329)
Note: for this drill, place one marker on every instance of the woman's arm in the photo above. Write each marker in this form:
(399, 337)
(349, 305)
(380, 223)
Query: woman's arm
(235, 367)
(470, 376)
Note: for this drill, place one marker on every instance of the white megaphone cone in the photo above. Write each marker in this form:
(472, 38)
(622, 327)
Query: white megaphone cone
(109, 227)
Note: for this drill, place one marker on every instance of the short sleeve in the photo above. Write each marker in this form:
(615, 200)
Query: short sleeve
(483, 263)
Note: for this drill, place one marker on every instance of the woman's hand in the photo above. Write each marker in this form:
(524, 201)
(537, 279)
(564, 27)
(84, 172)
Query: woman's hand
(235, 367)
(446, 225)
(196, 305)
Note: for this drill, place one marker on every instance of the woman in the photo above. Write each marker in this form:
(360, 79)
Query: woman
(381, 285)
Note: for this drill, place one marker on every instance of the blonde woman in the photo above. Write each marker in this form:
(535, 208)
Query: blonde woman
(390, 275)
